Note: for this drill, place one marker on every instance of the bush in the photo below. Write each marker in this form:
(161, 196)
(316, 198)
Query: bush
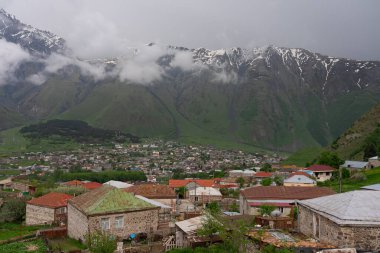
(266, 181)
(266, 209)
(358, 177)
(101, 242)
(13, 210)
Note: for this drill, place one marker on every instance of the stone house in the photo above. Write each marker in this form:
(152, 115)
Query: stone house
(47, 209)
(282, 197)
(321, 172)
(110, 209)
(346, 220)
(204, 195)
(163, 196)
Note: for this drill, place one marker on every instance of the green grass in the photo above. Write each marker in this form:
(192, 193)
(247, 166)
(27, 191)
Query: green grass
(11, 230)
(12, 142)
(303, 156)
(65, 244)
(34, 246)
(8, 173)
(373, 177)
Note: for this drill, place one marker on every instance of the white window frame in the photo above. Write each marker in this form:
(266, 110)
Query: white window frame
(105, 223)
(119, 222)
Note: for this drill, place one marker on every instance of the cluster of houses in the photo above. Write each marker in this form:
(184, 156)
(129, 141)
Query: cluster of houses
(155, 159)
(174, 211)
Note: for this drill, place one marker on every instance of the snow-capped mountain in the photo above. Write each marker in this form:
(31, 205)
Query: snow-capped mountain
(273, 97)
(34, 40)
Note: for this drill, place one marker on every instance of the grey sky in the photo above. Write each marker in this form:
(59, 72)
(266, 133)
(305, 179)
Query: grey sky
(94, 28)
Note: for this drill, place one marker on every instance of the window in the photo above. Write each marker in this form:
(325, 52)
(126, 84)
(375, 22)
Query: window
(119, 222)
(61, 210)
(196, 198)
(105, 223)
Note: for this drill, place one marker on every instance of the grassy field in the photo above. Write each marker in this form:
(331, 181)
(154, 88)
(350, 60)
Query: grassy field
(65, 245)
(8, 173)
(12, 141)
(34, 246)
(303, 156)
(373, 177)
(11, 230)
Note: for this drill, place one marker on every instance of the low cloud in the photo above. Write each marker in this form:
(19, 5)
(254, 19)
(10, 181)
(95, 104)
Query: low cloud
(142, 67)
(183, 60)
(225, 77)
(139, 65)
(11, 55)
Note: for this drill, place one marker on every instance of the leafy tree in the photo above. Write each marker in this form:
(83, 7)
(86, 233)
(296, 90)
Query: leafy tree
(13, 210)
(266, 181)
(266, 209)
(71, 190)
(214, 208)
(234, 207)
(181, 191)
(240, 181)
(266, 167)
(331, 159)
(100, 242)
(278, 180)
(232, 233)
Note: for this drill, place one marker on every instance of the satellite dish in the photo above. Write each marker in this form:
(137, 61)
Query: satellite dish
(275, 213)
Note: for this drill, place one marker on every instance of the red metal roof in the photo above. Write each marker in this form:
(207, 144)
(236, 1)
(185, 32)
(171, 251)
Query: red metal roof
(52, 199)
(91, 185)
(263, 174)
(320, 168)
(277, 204)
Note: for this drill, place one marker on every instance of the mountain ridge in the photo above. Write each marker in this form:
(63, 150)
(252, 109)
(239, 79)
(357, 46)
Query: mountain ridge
(272, 97)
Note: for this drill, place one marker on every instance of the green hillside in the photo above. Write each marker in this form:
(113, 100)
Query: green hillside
(363, 135)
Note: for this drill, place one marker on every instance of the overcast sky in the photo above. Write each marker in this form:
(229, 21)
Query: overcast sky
(95, 28)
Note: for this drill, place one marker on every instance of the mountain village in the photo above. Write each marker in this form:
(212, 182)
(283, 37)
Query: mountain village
(148, 147)
(282, 205)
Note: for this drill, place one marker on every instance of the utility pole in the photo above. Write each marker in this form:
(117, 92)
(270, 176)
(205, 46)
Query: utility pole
(340, 179)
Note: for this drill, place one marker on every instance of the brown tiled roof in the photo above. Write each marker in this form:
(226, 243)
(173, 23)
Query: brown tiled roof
(52, 199)
(176, 183)
(320, 168)
(152, 191)
(286, 192)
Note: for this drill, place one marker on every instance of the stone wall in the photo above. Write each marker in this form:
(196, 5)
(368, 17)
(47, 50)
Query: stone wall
(205, 198)
(77, 223)
(323, 229)
(38, 215)
(134, 222)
